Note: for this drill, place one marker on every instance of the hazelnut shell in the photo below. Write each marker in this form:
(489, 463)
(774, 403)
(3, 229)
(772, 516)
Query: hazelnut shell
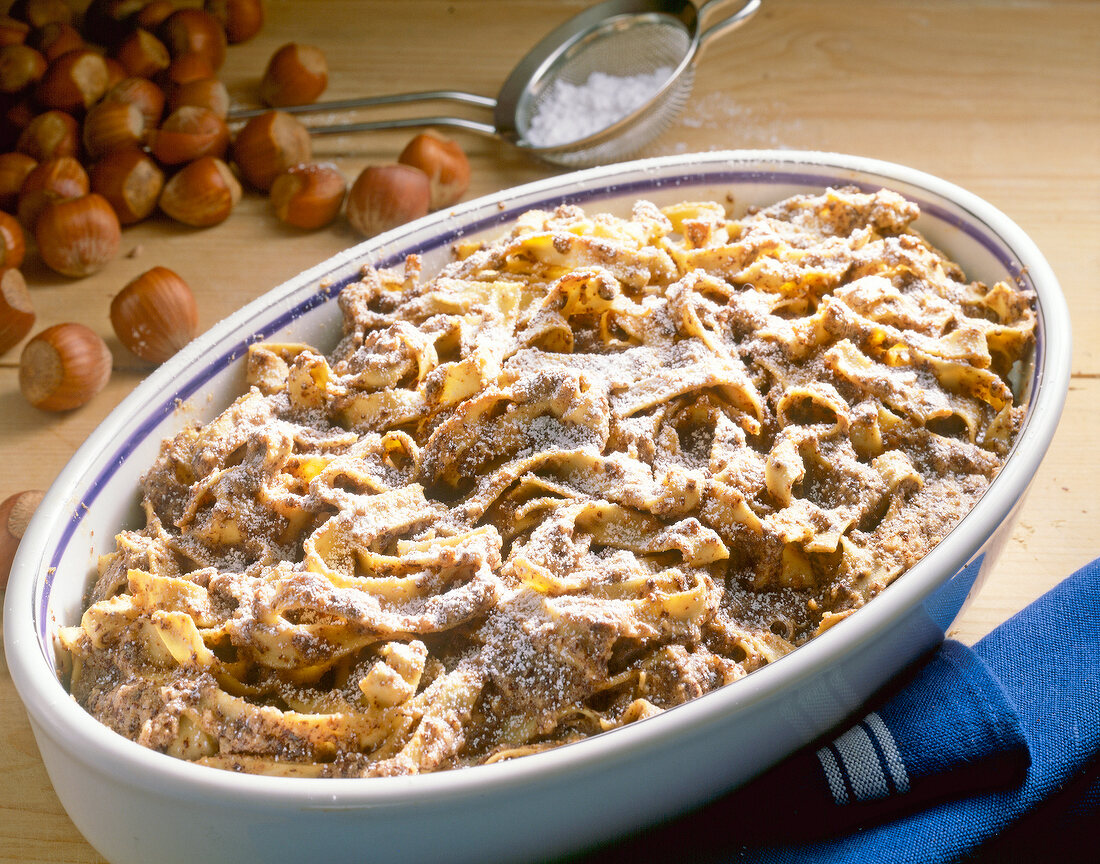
(155, 315)
(78, 236)
(63, 367)
(385, 196)
(15, 514)
(201, 194)
(16, 311)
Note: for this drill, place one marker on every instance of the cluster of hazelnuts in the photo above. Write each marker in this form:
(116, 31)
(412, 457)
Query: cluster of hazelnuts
(107, 120)
(111, 117)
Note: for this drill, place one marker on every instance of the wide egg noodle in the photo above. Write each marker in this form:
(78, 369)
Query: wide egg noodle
(595, 468)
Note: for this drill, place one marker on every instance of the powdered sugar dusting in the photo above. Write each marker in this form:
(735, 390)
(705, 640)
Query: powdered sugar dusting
(571, 112)
(739, 124)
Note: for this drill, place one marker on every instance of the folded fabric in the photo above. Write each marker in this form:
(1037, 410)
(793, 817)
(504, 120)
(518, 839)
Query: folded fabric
(950, 731)
(991, 751)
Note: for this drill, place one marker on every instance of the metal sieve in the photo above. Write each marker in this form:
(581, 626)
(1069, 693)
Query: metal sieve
(621, 38)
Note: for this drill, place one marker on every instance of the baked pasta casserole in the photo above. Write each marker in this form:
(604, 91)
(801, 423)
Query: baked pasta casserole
(591, 470)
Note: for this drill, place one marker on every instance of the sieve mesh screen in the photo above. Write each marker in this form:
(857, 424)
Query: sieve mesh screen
(624, 46)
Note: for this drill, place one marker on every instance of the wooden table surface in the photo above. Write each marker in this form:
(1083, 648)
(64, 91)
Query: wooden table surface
(1000, 98)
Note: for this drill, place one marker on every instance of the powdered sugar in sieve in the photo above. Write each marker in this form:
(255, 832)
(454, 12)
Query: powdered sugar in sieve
(570, 112)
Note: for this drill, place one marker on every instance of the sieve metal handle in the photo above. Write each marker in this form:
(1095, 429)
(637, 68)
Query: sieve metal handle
(403, 123)
(393, 99)
(726, 24)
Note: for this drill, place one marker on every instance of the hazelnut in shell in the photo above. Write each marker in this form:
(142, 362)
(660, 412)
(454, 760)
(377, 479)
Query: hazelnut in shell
(202, 93)
(39, 13)
(74, 81)
(79, 236)
(16, 311)
(189, 133)
(113, 126)
(295, 75)
(142, 54)
(308, 195)
(185, 68)
(63, 367)
(188, 31)
(13, 245)
(201, 194)
(130, 181)
(242, 19)
(13, 31)
(20, 67)
(143, 93)
(15, 514)
(155, 315)
(269, 144)
(387, 195)
(50, 134)
(60, 178)
(14, 168)
(55, 39)
(445, 163)
(152, 14)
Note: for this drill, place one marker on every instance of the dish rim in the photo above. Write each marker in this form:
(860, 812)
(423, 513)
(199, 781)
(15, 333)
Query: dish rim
(54, 712)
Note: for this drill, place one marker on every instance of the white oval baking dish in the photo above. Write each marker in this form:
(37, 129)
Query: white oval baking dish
(136, 806)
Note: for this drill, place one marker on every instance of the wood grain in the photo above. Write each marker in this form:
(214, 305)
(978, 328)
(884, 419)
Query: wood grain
(1001, 98)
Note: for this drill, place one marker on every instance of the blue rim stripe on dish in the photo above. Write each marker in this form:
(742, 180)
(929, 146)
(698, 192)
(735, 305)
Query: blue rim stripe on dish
(990, 241)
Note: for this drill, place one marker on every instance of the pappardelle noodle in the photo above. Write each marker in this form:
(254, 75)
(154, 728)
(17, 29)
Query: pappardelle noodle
(593, 469)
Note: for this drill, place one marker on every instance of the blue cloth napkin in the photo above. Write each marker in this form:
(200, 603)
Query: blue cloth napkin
(983, 754)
